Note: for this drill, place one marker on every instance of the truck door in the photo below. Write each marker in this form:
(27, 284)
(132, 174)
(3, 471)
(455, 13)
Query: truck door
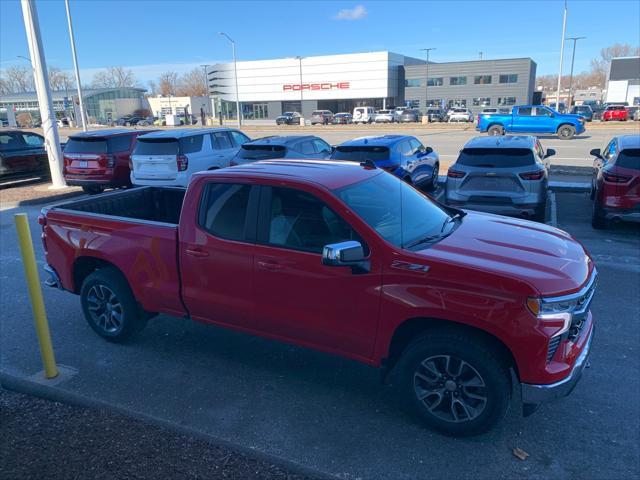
(216, 254)
(297, 297)
(544, 121)
(523, 120)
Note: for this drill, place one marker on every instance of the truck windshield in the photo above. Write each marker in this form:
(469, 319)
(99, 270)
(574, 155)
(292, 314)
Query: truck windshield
(86, 145)
(629, 158)
(496, 157)
(156, 146)
(361, 153)
(261, 152)
(398, 212)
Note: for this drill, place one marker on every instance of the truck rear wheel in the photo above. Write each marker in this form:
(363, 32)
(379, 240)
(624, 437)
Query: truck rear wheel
(110, 307)
(566, 132)
(495, 130)
(455, 382)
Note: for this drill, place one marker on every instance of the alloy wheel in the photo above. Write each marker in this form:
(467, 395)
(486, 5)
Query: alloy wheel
(450, 388)
(105, 309)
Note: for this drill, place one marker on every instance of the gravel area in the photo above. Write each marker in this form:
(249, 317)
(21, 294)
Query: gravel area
(35, 193)
(44, 439)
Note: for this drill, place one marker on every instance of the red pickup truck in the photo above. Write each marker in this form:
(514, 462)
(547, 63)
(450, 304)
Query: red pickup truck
(461, 308)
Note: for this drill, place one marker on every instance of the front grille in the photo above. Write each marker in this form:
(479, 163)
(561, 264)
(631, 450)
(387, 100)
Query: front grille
(553, 346)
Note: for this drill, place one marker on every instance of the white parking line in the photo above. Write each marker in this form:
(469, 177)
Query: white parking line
(553, 217)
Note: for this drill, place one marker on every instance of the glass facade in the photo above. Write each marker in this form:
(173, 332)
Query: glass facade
(457, 80)
(506, 101)
(435, 82)
(482, 79)
(510, 78)
(102, 106)
(457, 102)
(481, 102)
(413, 82)
(255, 111)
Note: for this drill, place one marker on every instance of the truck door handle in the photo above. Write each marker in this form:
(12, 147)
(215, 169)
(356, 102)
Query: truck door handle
(270, 266)
(196, 252)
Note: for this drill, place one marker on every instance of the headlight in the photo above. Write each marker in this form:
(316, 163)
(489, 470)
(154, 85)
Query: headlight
(581, 119)
(554, 315)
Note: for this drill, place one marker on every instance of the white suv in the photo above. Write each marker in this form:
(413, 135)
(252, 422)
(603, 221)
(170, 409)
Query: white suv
(460, 115)
(363, 114)
(170, 157)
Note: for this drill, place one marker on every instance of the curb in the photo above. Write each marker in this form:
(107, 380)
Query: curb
(59, 395)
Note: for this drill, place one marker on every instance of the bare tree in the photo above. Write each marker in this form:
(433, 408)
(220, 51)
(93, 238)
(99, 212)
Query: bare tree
(18, 79)
(168, 83)
(114, 77)
(60, 80)
(153, 87)
(600, 66)
(193, 84)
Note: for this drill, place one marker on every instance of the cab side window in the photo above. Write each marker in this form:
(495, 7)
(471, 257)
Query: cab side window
(542, 112)
(238, 138)
(300, 221)
(223, 210)
(524, 111)
(221, 141)
(33, 140)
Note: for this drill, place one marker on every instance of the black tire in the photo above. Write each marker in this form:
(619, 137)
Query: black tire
(484, 367)
(105, 295)
(93, 189)
(495, 130)
(598, 217)
(540, 213)
(566, 132)
(433, 181)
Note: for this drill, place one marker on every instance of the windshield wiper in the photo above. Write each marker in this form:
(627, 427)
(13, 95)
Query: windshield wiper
(426, 239)
(452, 219)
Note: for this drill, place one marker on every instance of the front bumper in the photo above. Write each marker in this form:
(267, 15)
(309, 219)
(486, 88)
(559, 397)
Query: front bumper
(53, 280)
(534, 394)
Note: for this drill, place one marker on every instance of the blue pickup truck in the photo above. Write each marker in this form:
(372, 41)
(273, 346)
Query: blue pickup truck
(532, 119)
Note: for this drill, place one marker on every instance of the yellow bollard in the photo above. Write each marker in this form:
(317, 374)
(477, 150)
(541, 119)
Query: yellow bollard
(35, 293)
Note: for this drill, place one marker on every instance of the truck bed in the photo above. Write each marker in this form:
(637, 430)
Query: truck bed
(156, 204)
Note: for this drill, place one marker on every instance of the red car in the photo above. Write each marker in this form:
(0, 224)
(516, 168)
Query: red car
(615, 186)
(99, 159)
(347, 259)
(615, 112)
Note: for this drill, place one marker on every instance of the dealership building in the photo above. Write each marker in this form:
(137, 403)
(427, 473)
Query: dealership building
(623, 84)
(339, 83)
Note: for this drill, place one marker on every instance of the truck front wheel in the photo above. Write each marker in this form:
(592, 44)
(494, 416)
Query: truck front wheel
(109, 305)
(455, 382)
(566, 132)
(495, 130)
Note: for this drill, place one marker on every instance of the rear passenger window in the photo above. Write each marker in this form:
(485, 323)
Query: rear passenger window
(306, 148)
(222, 141)
(238, 138)
(524, 111)
(120, 143)
(191, 144)
(223, 211)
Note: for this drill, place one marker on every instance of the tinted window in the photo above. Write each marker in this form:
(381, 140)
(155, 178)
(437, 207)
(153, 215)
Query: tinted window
(496, 157)
(361, 153)
(301, 221)
(222, 141)
(238, 138)
(119, 144)
(224, 210)
(629, 158)
(542, 112)
(321, 146)
(191, 144)
(261, 152)
(416, 146)
(306, 148)
(9, 141)
(33, 140)
(155, 146)
(398, 212)
(86, 145)
(405, 148)
(525, 111)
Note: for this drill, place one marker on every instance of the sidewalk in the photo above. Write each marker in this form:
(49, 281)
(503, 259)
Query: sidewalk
(44, 439)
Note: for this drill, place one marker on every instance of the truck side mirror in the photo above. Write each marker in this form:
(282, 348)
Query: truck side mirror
(346, 254)
(596, 153)
(428, 150)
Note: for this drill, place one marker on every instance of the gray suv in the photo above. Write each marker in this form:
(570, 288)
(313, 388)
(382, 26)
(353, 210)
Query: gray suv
(506, 175)
(285, 146)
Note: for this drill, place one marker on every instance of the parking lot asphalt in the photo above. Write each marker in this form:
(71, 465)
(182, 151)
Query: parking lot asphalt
(330, 414)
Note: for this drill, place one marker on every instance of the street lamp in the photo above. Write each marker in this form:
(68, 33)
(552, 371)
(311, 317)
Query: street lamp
(573, 57)
(426, 85)
(83, 115)
(235, 70)
(206, 87)
(564, 32)
(299, 58)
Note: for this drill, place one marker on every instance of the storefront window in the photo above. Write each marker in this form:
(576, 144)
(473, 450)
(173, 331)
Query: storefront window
(482, 79)
(255, 111)
(458, 81)
(292, 107)
(434, 102)
(435, 82)
(506, 100)
(413, 82)
(481, 102)
(457, 102)
(510, 78)
(413, 103)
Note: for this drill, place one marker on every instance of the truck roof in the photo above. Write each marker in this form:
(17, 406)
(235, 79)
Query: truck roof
(184, 132)
(504, 141)
(376, 141)
(331, 174)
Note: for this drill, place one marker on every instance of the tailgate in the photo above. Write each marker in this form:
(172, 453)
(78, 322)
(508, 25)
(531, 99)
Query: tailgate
(84, 163)
(495, 183)
(155, 167)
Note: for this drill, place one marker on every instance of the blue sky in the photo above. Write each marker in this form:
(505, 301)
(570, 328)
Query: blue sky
(132, 33)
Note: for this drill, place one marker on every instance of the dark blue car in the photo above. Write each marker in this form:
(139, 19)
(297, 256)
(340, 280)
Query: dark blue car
(402, 155)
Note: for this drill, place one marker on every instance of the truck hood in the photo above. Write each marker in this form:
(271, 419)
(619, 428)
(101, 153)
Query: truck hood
(571, 116)
(548, 259)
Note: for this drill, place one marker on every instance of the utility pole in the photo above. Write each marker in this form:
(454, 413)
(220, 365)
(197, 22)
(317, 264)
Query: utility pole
(426, 84)
(235, 70)
(49, 125)
(564, 31)
(481, 53)
(206, 86)
(573, 57)
(83, 115)
(300, 66)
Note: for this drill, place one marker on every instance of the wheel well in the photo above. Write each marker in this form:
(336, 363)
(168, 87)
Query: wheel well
(415, 327)
(495, 125)
(565, 125)
(84, 266)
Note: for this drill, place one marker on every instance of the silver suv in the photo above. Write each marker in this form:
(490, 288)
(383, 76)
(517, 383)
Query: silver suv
(324, 117)
(506, 175)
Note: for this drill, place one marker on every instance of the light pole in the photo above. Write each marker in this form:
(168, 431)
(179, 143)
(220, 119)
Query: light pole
(564, 31)
(573, 57)
(206, 86)
(299, 58)
(235, 70)
(426, 85)
(83, 115)
(481, 54)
